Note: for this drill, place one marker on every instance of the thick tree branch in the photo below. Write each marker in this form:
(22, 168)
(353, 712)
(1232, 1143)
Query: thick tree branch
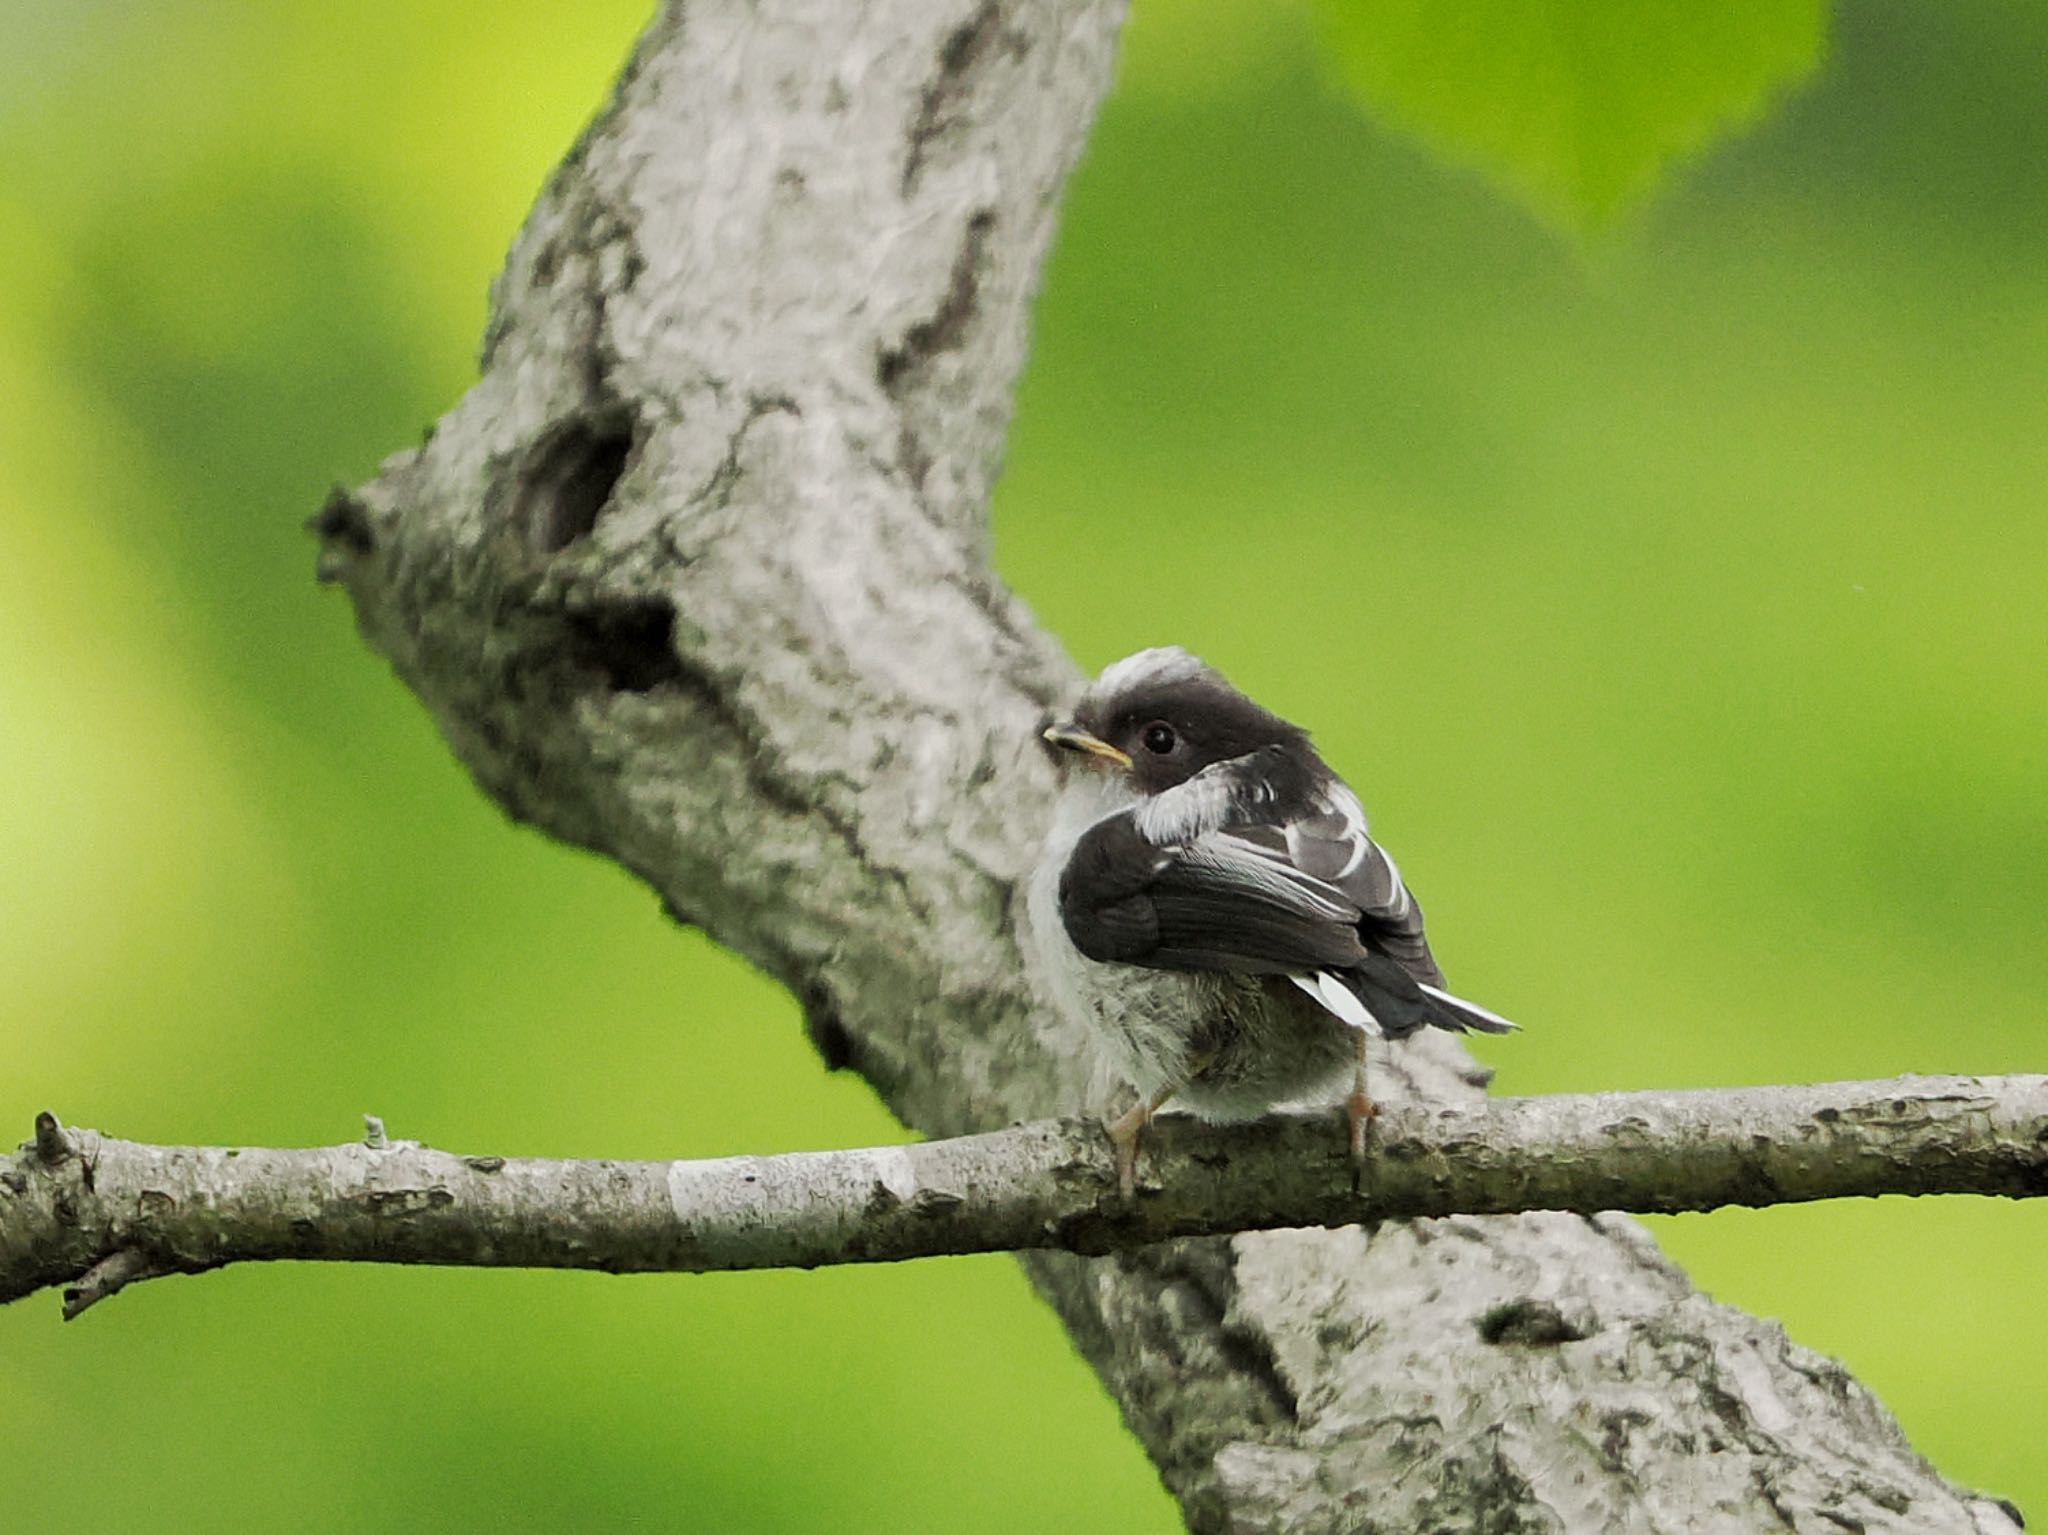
(97, 1214)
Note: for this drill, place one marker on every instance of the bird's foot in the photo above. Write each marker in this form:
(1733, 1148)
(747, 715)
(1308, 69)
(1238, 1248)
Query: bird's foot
(1124, 1131)
(1361, 1111)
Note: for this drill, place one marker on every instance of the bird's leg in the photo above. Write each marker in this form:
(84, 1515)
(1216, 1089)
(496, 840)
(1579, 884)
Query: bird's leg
(1124, 1131)
(1360, 1108)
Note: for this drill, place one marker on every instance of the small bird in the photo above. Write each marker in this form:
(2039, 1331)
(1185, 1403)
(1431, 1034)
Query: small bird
(1210, 908)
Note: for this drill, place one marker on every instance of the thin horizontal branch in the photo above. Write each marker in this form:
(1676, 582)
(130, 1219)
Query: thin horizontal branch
(94, 1214)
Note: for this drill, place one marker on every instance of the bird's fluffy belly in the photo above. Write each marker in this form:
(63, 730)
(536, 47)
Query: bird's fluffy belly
(1250, 1041)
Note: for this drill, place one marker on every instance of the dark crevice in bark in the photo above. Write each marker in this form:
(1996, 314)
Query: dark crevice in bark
(1249, 1351)
(940, 106)
(1531, 1321)
(717, 489)
(1201, 1275)
(629, 642)
(945, 329)
(901, 369)
(571, 481)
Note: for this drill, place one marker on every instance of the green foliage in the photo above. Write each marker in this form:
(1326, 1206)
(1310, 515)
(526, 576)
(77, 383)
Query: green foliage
(1573, 106)
(1677, 613)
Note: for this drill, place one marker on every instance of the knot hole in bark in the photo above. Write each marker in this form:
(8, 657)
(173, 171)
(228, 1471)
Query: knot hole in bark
(569, 483)
(629, 642)
(1533, 1321)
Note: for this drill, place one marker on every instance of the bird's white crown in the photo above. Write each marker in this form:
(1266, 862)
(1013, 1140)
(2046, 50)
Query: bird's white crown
(1161, 664)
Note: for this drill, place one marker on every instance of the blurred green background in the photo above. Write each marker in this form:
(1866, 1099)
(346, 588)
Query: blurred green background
(1678, 599)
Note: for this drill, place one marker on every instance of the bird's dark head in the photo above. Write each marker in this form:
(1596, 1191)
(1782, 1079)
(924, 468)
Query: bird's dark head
(1161, 716)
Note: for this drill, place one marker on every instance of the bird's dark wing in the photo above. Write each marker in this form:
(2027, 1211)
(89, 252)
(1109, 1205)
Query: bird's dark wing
(1224, 901)
(1311, 897)
(1330, 842)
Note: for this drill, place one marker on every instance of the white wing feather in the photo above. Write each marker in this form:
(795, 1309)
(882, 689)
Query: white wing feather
(1335, 997)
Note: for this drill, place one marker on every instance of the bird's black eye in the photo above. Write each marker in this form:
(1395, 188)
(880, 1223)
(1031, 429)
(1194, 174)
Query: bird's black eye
(1159, 738)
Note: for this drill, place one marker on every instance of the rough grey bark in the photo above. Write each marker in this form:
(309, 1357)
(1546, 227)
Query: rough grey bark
(96, 1214)
(697, 576)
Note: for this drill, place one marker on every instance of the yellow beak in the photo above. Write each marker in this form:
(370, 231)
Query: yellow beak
(1071, 737)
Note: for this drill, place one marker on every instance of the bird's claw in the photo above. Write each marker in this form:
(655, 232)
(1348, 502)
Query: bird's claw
(1123, 1133)
(1362, 1111)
